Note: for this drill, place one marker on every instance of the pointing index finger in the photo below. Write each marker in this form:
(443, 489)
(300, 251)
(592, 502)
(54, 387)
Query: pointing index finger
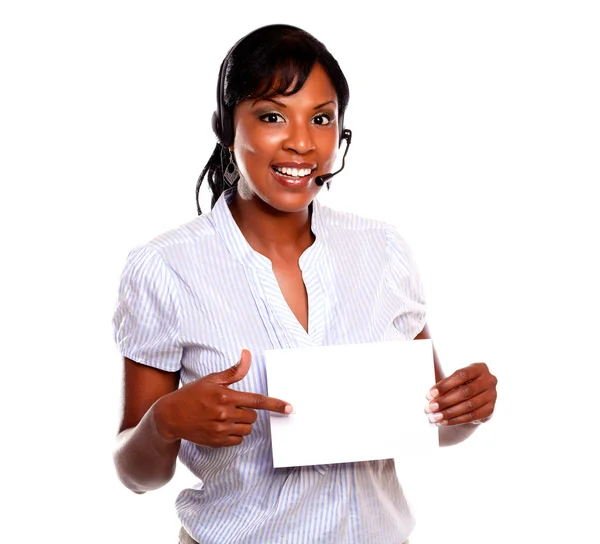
(257, 401)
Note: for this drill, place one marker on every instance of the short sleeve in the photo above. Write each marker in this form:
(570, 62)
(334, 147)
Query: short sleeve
(146, 319)
(405, 283)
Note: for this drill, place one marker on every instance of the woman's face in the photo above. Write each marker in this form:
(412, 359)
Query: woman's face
(282, 144)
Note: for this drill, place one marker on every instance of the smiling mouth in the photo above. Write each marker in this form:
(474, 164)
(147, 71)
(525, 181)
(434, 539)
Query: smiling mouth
(293, 173)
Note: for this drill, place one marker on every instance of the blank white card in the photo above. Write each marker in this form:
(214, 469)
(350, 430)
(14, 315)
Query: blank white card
(351, 403)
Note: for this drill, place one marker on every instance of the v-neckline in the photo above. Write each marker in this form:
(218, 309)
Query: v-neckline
(241, 250)
(283, 303)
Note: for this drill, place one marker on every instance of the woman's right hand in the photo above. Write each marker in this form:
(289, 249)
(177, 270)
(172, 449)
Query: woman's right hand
(209, 413)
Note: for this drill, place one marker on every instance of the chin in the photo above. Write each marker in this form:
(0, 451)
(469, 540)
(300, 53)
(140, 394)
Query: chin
(279, 198)
(288, 203)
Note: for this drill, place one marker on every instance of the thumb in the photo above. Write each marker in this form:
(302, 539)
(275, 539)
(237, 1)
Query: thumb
(232, 374)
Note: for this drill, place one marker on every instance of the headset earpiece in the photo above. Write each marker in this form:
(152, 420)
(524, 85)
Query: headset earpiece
(345, 133)
(226, 128)
(216, 126)
(222, 129)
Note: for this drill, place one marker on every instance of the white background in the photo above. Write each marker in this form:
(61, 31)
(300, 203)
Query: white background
(476, 131)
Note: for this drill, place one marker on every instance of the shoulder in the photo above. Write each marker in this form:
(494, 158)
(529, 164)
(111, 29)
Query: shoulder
(180, 247)
(347, 221)
(354, 235)
(348, 224)
(186, 234)
(171, 250)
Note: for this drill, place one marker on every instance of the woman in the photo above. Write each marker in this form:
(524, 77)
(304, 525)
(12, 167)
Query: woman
(269, 268)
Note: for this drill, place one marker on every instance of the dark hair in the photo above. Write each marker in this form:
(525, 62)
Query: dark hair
(272, 60)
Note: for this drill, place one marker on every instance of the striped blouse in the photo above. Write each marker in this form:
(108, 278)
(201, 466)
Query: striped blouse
(192, 298)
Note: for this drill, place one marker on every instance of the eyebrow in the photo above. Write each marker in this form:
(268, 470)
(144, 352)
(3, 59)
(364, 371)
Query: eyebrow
(282, 105)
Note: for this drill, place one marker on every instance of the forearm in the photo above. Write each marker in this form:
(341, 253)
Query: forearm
(144, 459)
(450, 435)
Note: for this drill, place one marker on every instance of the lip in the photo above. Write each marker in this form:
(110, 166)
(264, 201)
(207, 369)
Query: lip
(293, 183)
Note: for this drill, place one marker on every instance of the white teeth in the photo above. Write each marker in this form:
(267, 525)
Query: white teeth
(293, 172)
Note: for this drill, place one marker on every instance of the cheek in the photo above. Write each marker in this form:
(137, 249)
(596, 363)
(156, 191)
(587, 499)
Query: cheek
(255, 147)
(256, 139)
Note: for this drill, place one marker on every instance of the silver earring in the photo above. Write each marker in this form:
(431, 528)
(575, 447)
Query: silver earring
(231, 173)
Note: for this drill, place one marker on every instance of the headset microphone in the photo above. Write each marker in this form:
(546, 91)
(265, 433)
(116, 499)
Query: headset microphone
(346, 135)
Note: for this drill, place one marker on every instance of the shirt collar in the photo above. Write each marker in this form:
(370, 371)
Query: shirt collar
(238, 246)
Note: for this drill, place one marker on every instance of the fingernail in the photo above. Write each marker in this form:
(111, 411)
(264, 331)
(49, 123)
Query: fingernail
(432, 393)
(431, 407)
(288, 409)
(442, 423)
(240, 359)
(435, 417)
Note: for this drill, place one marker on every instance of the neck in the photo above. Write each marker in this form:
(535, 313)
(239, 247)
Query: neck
(271, 232)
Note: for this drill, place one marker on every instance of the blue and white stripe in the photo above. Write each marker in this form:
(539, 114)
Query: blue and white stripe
(192, 298)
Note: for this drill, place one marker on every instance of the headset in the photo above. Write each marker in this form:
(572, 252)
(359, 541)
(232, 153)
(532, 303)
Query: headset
(222, 121)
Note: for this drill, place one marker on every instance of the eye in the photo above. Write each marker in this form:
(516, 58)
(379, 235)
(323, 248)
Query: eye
(322, 119)
(271, 117)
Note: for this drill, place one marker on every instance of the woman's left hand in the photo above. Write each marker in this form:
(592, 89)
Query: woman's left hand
(467, 396)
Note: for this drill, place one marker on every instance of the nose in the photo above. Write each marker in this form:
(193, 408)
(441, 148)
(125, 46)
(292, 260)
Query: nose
(299, 138)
